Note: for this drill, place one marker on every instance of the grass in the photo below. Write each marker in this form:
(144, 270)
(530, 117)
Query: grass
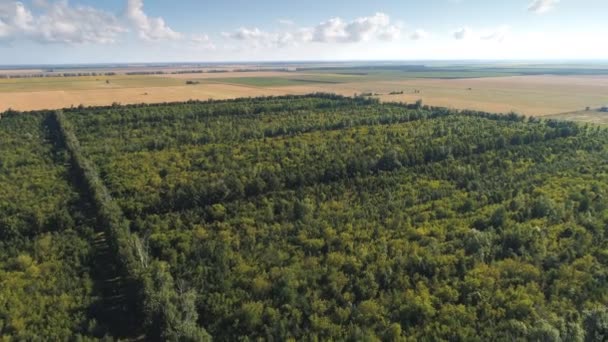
(586, 116)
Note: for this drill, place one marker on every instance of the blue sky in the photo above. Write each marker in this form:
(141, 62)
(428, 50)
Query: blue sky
(87, 31)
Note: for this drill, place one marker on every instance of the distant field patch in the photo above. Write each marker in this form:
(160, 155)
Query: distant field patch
(280, 81)
(455, 74)
(377, 74)
(459, 71)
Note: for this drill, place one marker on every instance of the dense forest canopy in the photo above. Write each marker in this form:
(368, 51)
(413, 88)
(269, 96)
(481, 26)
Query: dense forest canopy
(46, 288)
(311, 217)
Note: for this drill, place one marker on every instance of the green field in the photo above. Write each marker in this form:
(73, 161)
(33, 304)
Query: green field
(585, 116)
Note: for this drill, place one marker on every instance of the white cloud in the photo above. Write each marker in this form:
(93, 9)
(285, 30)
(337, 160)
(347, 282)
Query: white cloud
(80, 24)
(202, 41)
(248, 34)
(497, 34)
(23, 17)
(14, 18)
(148, 28)
(4, 30)
(419, 34)
(336, 30)
(59, 23)
(542, 6)
(463, 33)
(258, 38)
(390, 33)
(200, 38)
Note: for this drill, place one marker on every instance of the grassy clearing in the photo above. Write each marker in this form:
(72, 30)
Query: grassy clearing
(592, 116)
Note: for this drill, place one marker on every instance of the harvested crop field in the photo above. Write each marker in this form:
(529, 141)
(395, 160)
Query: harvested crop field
(100, 97)
(529, 95)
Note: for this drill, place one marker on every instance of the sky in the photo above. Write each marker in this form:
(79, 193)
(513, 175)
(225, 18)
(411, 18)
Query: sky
(147, 31)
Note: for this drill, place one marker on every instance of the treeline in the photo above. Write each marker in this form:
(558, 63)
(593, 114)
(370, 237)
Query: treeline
(65, 74)
(165, 314)
(51, 73)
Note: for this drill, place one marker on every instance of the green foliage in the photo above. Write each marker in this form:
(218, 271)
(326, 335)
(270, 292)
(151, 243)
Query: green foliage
(165, 314)
(596, 324)
(329, 218)
(46, 288)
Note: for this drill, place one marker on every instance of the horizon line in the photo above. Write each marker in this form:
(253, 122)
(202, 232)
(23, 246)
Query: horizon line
(253, 62)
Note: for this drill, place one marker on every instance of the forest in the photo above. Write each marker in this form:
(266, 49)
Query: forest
(316, 217)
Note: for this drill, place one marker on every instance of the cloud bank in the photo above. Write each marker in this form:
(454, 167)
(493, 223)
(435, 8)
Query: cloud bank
(498, 34)
(462, 33)
(377, 27)
(542, 6)
(419, 34)
(61, 22)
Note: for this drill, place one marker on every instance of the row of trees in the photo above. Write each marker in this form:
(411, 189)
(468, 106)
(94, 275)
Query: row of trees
(151, 296)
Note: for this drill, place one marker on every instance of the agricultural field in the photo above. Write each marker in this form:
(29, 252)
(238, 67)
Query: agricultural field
(536, 90)
(50, 84)
(284, 81)
(318, 217)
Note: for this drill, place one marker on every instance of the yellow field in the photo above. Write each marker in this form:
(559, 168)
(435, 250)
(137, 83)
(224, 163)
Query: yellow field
(529, 95)
(99, 97)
